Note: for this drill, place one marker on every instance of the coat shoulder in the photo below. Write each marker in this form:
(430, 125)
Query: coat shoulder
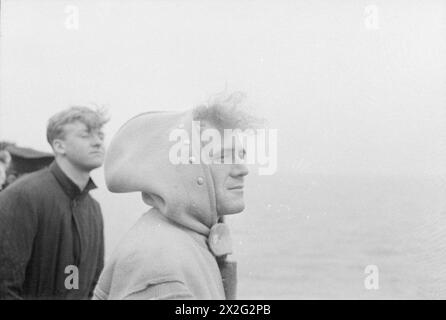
(32, 183)
(153, 253)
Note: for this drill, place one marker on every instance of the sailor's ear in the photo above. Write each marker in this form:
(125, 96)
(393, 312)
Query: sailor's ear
(58, 146)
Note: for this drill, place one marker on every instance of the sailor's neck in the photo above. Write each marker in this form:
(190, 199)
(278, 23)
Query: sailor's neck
(77, 175)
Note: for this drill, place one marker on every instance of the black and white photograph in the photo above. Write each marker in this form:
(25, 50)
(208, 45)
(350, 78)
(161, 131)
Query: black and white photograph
(222, 150)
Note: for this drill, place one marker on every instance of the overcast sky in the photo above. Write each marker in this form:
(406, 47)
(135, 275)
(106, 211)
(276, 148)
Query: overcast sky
(351, 88)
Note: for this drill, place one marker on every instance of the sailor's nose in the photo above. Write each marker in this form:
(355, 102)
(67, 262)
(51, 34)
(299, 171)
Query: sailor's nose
(240, 170)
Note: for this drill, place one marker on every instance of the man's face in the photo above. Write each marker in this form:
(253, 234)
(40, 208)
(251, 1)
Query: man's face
(83, 148)
(229, 180)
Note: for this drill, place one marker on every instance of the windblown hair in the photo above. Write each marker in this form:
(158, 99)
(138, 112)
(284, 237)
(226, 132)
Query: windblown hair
(93, 119)
(226, 111)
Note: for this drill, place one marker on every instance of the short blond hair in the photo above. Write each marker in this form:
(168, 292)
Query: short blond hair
(93, 119)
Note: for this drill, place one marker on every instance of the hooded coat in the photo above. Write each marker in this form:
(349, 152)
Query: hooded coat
(165, 255)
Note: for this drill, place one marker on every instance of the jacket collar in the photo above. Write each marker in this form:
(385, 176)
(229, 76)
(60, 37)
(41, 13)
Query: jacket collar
(68, 186)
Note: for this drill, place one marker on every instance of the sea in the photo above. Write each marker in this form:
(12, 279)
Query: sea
(327, 236)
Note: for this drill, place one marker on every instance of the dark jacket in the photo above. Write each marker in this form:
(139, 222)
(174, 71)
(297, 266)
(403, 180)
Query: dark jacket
(46, 225)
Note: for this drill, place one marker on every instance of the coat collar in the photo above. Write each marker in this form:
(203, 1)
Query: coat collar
(68, 186)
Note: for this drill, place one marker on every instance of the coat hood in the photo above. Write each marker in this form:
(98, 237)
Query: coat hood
(137, 160)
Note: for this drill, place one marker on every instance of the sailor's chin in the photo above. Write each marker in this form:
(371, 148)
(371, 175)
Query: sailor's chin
(235, 208)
